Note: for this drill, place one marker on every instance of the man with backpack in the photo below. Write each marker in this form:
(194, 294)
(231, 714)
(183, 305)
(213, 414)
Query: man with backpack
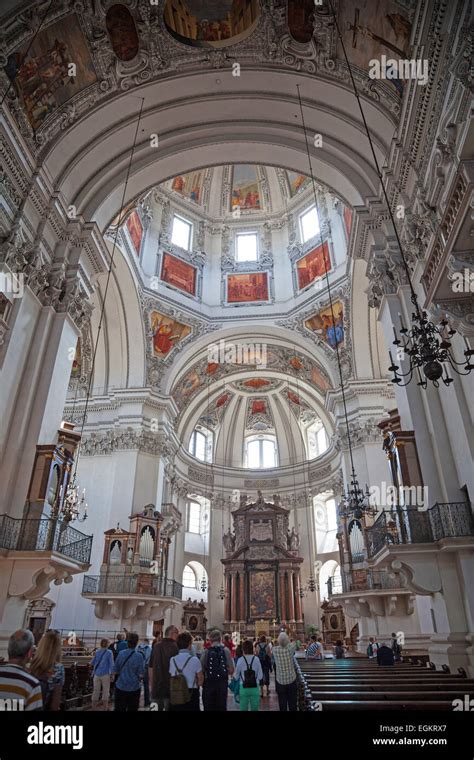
(396, 648)
(145, 651)
(185, 676)
(129, 668)
(217, 666)
(249, 673)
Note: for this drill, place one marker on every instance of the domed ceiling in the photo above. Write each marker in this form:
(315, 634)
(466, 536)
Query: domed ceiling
(239, 190)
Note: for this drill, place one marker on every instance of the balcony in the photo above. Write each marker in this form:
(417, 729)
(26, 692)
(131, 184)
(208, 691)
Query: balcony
(407, 525)
(369, 580)
(45, 535)
(130, 585)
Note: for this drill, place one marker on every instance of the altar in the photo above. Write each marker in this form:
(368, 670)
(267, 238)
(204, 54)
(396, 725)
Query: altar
(262, 569)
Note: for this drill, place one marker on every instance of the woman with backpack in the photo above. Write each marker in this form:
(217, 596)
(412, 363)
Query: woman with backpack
(102, 667)
(46, 666)
(264, 654)
(248, 672)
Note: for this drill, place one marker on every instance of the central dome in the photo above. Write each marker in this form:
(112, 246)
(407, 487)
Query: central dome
(239, 190)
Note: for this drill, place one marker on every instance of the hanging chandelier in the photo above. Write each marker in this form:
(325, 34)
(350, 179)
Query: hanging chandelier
(355, 502)
(426, 345)
(221, 594)
(73, 507)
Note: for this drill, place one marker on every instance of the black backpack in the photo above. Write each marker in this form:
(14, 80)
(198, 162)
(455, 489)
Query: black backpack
(216, 666)
(250, 677)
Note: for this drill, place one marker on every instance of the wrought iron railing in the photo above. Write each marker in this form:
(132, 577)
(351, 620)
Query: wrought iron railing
(373, 580)
(408, 525)
(131, 584)
(44, 535)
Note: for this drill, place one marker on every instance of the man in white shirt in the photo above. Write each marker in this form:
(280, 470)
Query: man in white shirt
(189, 665)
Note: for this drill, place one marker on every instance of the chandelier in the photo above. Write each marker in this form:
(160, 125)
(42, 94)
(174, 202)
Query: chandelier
(355, 502)
(428, 346)
(221, 594)
(73, 506)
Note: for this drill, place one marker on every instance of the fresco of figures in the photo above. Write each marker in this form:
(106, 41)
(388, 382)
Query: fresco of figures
(329, 324)
(41, 73)
(243, 288)
(166, 333)
(245, 188)
(189, 185)
(179, 274)
(212, 23)
(135, 230)
(313, 265)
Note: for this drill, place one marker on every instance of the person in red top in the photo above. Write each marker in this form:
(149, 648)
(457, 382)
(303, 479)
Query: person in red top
(229, 644)
(207, 643)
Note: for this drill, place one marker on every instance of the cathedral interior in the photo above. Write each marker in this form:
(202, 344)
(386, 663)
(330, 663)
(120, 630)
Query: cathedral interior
(237, 329)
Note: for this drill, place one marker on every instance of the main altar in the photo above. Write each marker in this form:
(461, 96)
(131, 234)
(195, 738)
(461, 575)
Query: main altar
(262, 568)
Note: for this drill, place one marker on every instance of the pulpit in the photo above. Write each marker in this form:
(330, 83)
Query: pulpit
(262, 567)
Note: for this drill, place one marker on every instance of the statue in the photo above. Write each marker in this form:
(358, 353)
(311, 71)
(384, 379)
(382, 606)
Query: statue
(293, 540)
(228, 540)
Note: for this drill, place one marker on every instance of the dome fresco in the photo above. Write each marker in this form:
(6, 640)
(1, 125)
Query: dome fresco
(240, 190)
(212, 23)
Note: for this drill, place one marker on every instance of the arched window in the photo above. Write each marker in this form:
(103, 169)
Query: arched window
(261, 452)
(200, 444)
(189, 577)
(317, 439)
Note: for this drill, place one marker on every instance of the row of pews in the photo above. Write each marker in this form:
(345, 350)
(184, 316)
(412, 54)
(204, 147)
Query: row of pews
(357, 684)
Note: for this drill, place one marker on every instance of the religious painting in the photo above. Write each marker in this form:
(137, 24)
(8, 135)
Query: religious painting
(245, 288)
(77, 361)
(179, 274)
(372, 29)
(347, 215)
(297, 182)
(166, 333)
(261, 530)
(300, 19)
(189, 185)
(296, 363)
(222, 400)
(211, 23)
(42, 73)
(318, 379)
(328, 328)
(313, 265)
(256, 382)
(293, 397)
(122, 32)
(259, 406)
(262, 594)
(245, 188)
(190, 383)
(135, 230)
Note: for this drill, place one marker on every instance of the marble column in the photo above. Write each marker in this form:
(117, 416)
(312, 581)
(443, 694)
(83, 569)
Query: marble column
(233, 614)
(283, 608)
(242, 615)
(228, 599)
(291, 598)
(296, 585)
